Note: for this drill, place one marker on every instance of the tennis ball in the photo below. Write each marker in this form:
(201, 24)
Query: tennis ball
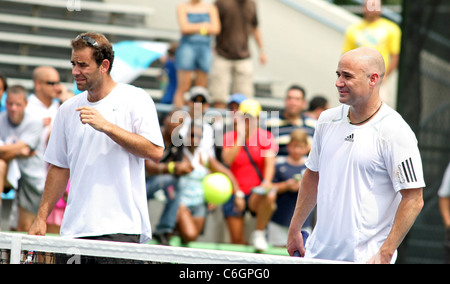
(217, 188)
(251, 107)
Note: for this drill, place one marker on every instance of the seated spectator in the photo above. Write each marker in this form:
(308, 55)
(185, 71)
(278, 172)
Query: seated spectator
(229, 122)
(165, 176)
(192, 211)
(198, 105)
(21, 134)
(250, 152)
(287, 179)
(235, 101)
(291, 118)
(316, 106)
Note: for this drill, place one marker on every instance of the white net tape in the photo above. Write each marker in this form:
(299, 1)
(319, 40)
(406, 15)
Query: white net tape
(14, 249)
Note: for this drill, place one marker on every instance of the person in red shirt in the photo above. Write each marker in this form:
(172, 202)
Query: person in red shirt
(250, 153)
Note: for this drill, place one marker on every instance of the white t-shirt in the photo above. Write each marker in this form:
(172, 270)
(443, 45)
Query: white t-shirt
(41, 111)
(32, 168)
(107, 193)
(444, 189)
(361, 171)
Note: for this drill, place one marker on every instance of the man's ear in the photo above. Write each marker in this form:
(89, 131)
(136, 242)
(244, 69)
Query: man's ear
(374, 79)
(105, 66)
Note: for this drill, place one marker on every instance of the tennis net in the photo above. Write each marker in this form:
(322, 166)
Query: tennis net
(24, 249)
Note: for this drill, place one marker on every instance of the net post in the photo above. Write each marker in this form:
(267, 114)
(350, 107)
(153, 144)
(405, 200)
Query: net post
(16, 248)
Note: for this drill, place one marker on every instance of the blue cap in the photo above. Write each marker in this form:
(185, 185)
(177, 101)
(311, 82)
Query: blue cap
(237, 98)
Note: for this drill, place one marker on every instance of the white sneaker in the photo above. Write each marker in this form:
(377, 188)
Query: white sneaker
(258, 240)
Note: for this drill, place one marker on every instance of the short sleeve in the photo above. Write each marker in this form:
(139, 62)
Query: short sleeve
(312, 162)
(145, 119)
(403, 160)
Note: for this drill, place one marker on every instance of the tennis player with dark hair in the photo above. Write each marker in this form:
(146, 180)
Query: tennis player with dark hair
(364, 172)
(100, 140)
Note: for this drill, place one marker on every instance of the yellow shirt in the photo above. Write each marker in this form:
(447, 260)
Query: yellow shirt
(383, 35)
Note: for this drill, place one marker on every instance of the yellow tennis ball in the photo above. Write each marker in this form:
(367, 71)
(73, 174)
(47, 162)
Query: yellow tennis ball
(217, 188)
(251, 107)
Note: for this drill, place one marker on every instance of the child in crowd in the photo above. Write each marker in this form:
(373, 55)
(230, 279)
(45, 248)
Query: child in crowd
(287, 179)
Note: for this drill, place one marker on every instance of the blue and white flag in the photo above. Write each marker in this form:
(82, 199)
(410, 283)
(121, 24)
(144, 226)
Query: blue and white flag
(132, 58)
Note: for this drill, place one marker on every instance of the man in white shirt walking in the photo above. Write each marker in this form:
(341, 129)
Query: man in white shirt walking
(364, 172)
(100, 139)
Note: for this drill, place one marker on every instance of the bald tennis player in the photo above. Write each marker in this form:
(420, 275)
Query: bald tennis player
(364, 172)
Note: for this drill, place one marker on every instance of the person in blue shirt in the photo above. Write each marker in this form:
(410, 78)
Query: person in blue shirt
(288, 175)
(170, 72)
(3, 88)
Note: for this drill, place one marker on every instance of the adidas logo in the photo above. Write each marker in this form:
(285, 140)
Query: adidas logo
(350, 138)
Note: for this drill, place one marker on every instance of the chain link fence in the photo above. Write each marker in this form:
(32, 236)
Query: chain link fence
(424, 102)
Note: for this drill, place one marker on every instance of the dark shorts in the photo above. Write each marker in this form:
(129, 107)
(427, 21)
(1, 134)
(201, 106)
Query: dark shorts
(76, 259)
(28, 197)
(228, 208)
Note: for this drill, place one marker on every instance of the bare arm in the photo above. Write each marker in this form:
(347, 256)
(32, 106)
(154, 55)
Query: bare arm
(55, 186)
(10, 151)
(187, 28)
(133, 143)
(269, 167)
(259, 42)
(230, 153)
(307, 199)
(407, 212)
(444, 205)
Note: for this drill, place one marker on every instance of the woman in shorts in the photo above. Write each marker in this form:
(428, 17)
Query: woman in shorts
(198, 22)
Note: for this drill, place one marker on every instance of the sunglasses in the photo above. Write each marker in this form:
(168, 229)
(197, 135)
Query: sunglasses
(89, 40)
(52, 83)
(92, 42)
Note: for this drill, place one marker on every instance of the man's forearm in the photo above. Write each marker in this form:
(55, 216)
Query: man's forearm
(307, 198)
(444, 205)
(55, 186)
(134, 143)
(10, 151)
(131, 142)
(407, 212)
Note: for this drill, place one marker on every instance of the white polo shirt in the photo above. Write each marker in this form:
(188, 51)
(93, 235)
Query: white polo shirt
(444, 189)
(107, 193)
(361, 171)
